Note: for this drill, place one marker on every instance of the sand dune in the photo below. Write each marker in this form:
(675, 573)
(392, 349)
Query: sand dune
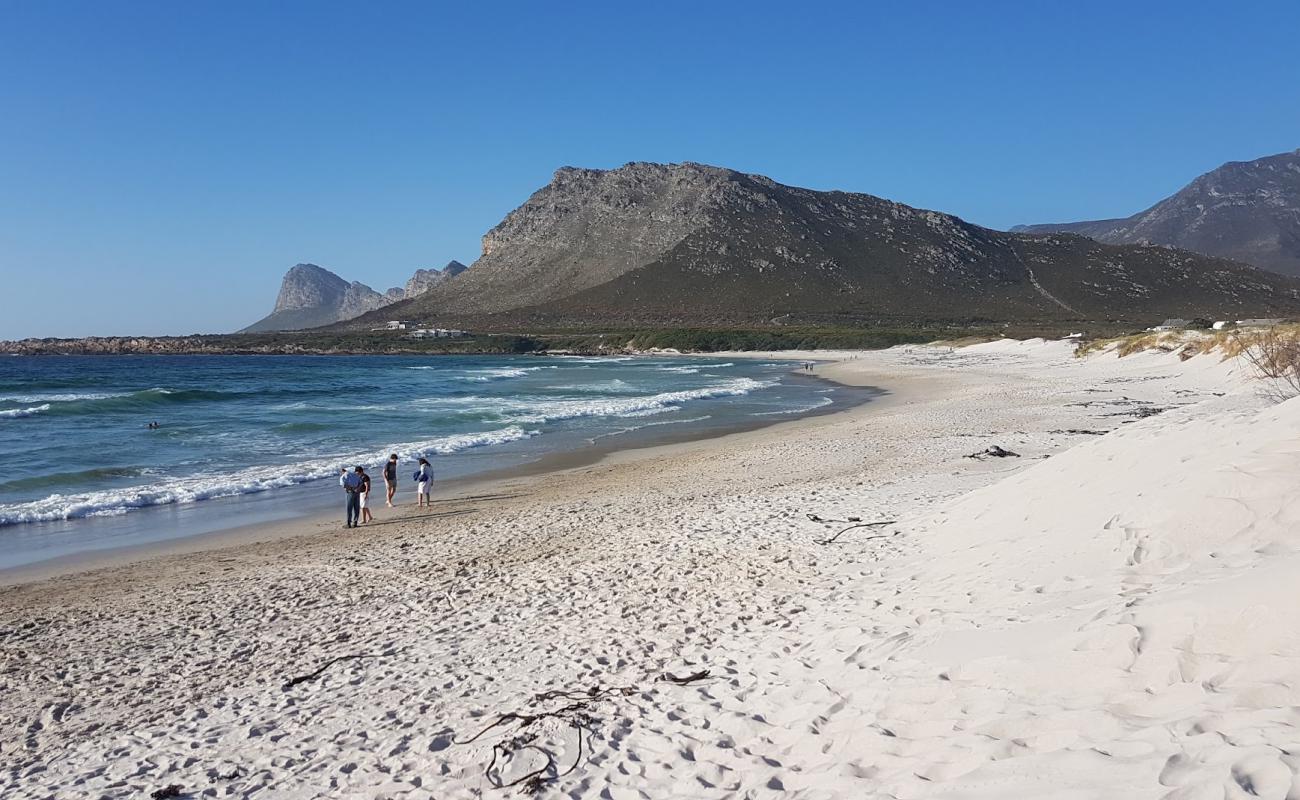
(1102, 616)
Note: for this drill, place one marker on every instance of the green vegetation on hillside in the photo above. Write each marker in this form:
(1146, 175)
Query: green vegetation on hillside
(687, 340)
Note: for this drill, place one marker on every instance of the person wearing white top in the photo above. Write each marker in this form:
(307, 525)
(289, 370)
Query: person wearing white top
(422, 480)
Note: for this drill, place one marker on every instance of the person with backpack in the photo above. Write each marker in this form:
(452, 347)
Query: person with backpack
(352, 483)
(423, 477)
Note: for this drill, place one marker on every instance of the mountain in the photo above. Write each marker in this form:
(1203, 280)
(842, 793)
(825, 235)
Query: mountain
(689, 244)
(311, 296)
(425, 279)
(1248, 211)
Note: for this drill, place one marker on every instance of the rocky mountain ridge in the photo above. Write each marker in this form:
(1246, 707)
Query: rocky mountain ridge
(696, 245)
(425, 279)
(311, 296)
(1247, 211)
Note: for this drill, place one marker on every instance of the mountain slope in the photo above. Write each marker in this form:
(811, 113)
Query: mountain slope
(1248, 211)
(311, 296)
(688, 244)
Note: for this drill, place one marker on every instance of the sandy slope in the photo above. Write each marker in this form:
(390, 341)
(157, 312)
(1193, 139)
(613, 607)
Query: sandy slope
(1114, 621)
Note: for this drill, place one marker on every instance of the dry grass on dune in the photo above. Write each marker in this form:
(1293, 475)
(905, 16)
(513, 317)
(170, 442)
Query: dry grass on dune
(1188, 343)
(1273, 354)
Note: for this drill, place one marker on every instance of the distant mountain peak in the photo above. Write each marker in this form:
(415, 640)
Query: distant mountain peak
(311, 296)
(1248, 211)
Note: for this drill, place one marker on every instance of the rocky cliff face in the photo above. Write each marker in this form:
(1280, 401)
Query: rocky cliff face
(689, 244)
(1248, 211)
(585, 228)
(311, 296)
(425, 279)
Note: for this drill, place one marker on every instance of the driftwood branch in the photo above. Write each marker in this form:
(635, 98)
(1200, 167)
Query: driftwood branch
(311, 676)
(525, 720)
(576, 713)
(594, 693)
(857, 523)
(816, 518)
(533, 782)
(994, 451)
(683, 680)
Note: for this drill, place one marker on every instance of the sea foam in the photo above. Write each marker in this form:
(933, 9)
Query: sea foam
(498, 373)
(19, 413)
(192, 488)
(537, 410)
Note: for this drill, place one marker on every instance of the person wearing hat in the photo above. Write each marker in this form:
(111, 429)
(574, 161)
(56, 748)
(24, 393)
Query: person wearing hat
(352, 484)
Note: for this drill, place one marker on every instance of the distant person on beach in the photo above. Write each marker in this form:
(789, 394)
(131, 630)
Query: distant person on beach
(365, 495)
(423, 477)
(390, 478)
(352, 483)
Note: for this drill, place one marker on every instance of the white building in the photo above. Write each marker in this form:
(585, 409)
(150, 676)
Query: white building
(437, 333)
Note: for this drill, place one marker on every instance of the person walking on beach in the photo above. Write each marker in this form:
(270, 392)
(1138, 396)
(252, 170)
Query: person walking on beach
(423, 477)
(365, 495)
(351, 483)
(390, 478)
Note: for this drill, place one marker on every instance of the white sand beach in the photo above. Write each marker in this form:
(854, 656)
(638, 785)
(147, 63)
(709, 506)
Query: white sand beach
(1107, 614)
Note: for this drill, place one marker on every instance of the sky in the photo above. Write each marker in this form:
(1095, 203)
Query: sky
(163, 164)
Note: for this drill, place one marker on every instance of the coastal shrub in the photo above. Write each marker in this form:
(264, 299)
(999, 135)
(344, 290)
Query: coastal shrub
(1274, 357)
(1272, 354)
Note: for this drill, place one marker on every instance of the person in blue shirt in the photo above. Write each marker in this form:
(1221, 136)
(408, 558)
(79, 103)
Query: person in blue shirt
(352, 483)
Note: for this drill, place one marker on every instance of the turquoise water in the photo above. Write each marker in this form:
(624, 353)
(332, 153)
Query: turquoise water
(250, 438)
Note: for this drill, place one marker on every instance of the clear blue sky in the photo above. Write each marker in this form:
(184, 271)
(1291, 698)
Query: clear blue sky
(162, 164)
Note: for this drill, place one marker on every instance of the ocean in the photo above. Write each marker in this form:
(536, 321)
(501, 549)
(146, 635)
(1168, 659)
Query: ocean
(243, 439)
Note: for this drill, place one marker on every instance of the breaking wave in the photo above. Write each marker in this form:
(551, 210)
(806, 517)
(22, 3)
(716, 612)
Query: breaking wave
(139, 401)
(536, 410)
(498, 373)
(695, 369)
(19, 413)
(193, 488)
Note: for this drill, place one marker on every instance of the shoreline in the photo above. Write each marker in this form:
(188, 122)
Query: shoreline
(983, 636)
(311, 523)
